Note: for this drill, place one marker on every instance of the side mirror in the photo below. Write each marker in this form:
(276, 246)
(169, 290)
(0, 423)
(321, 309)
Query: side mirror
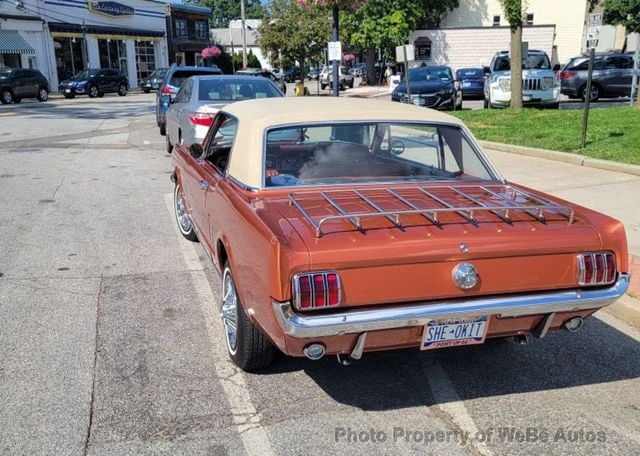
(196, 150)
(556, 67)
(486, 69)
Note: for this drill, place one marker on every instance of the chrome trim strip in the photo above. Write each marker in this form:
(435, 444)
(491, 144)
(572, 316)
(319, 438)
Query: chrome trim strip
(358, 321)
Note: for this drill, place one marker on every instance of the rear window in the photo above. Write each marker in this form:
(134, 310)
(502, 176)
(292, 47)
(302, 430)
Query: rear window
(225, 90)
(470, 73)
(370, 153)
(180, 76)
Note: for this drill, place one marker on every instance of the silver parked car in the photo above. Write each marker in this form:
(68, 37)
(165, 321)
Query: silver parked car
(192, 111)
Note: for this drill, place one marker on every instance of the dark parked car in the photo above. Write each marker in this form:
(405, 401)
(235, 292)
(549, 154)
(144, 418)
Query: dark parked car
(152, 82)
(265, 74)
(472, 82)
(612, 76)
(292, 74)
(19, 83)
(170, 86)
(431, 87)
(95, 83)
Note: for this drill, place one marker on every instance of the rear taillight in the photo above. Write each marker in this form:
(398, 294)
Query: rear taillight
(567, 75)
(167, 90)
(597, 268)
(201, 118)
(316, 290)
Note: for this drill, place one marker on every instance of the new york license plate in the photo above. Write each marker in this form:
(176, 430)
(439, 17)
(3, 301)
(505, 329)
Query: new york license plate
(454, 332)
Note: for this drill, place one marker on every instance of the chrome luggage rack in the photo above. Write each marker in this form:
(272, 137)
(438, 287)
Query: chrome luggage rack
(508, 198)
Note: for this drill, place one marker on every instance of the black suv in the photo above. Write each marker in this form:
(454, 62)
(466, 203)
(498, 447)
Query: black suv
(95, 83)
(265, 74)
(170, 85)
(612, 76)
(19, 83)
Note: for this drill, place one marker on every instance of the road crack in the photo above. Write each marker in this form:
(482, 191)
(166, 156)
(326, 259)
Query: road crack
(92, 407)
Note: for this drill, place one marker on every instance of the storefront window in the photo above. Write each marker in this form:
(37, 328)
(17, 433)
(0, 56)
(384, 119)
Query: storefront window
(69, 56)
(145, 59)
(113, 54)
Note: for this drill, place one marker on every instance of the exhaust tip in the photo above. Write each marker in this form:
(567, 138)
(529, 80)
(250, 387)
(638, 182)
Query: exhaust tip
(314, 351)
(574, 324)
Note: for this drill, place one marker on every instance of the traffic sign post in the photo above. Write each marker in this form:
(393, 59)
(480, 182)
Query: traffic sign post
(406, 53)
(594, 21)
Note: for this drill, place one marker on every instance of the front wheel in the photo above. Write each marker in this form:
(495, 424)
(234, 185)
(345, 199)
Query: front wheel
(248, 348)
(93, 92)
(185, 225)
(122, 90)
(6, 97)
(168, 144)
(43, 94)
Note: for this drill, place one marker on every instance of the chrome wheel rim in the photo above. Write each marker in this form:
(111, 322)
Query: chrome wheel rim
(229, 311)
(94, 91)
(123, 90)
(181, 213)
(44, 94)
(7, 97)
(593, 93)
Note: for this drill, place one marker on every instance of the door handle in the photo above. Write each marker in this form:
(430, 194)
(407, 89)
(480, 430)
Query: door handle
(204, 184)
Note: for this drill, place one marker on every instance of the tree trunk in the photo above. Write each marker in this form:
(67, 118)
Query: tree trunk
(370, 60)
(516, 67)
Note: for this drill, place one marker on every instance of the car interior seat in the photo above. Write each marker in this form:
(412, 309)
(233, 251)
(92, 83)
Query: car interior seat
(245, 91)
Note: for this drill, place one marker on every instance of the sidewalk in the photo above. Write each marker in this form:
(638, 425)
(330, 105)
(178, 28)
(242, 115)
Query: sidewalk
(368, 91)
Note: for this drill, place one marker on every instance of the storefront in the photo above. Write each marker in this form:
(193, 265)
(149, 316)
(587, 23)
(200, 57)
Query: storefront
(105, 34)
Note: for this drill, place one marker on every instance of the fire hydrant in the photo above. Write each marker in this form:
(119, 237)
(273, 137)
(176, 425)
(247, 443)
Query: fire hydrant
(300, 90)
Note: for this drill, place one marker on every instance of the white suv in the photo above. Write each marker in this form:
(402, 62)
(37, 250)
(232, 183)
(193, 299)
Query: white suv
(540, 86)
(345, 78)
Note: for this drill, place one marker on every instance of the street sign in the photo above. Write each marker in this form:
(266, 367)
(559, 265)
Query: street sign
(335, 50)
(406, 52)
(594, 19)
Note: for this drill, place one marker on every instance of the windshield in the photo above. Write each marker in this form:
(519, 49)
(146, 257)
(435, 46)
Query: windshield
(86, 74)
(370, 153)
(430, 74)
(532, 62)
(158, 74)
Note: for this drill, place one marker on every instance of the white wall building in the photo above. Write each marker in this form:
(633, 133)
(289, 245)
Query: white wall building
(231, 39)
(78, 34)
(472, 33)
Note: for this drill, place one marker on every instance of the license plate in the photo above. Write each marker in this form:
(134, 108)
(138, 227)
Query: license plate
(67, 90)
(418, 101)
(454, 332)
(526, 97)
(466, 84)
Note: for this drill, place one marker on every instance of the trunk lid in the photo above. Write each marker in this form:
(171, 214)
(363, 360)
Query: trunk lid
(401, 244)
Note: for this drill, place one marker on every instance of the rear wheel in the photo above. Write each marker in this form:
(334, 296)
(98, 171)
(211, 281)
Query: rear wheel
(595, 92)
(248, 348)
(185, 226)
(6, 97)
(168, 144)
(43, 94)
(122, 90)
(93, 91)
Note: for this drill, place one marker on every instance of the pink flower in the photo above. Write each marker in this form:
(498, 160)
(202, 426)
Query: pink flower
(211, 52)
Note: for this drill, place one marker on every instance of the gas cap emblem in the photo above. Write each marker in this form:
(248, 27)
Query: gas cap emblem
(464, 248)
(465, 276)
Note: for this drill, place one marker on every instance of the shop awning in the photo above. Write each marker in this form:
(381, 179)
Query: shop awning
(11, 42)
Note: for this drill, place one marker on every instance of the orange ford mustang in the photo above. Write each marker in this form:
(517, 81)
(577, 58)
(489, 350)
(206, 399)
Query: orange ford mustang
(342, 226)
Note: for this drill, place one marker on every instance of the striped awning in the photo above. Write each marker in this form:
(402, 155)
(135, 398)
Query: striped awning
(11, 42)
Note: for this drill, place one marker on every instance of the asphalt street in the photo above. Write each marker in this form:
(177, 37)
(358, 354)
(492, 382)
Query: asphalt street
(110, 342)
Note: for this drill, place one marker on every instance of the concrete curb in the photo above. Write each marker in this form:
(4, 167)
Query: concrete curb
(565, 157)
(626, 309)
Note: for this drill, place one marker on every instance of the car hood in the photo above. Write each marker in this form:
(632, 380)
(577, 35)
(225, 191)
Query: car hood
(425, 86)
(74, 81)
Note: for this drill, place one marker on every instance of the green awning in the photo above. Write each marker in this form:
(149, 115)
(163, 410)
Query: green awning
(11, 42)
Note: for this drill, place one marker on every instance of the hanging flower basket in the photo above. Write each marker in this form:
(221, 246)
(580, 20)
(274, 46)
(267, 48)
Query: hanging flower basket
(211, 52)
(348, 57)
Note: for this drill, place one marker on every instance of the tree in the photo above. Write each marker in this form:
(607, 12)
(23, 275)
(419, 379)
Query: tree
(627, 13)
(513, 13)
(380, 24)
(252, 60)
(223, 11)
(294, 31)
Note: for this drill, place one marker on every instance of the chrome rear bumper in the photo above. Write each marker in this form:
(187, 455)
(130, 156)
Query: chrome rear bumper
(358, 321)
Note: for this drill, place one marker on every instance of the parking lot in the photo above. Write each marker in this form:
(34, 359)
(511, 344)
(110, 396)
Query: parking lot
(110, 341)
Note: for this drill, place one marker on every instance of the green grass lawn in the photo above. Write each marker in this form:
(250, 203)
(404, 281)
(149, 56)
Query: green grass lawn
(614, 133)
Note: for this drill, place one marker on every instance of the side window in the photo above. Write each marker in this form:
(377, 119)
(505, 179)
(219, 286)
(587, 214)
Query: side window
(221, 138)
(618, 62)
(184, 94)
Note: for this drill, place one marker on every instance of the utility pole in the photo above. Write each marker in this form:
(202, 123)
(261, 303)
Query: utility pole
(336, 63)
(636, 71)
(84, 46)
(244, 35)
